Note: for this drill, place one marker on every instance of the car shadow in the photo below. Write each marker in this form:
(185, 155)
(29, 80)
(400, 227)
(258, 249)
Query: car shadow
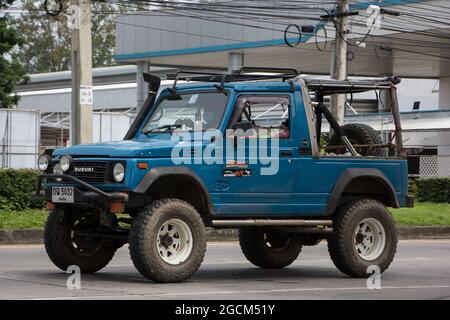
(207, 274)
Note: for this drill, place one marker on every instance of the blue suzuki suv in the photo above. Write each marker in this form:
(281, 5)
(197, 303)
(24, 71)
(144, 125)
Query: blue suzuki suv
(239, 150)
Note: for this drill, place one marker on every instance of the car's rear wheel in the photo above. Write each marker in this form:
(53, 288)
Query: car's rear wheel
(267, 248)
(364, 235)
(67, 242)
(168, 241)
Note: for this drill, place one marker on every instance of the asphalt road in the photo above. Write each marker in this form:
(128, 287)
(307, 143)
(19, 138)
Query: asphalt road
(421, 270)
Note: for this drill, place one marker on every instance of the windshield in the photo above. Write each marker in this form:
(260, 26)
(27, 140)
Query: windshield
(200, 111)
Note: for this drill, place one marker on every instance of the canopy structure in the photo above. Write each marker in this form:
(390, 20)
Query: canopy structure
(415, 43)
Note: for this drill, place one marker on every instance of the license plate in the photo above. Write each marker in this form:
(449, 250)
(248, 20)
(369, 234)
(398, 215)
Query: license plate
(63, 194)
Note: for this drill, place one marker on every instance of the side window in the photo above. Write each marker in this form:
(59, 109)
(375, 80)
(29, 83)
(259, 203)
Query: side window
(263, 112)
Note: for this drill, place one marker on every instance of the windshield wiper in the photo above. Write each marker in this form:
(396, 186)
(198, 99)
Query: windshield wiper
(160, 128)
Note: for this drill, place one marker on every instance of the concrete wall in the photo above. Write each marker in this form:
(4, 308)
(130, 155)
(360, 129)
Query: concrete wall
(444, 93)
(423, 90)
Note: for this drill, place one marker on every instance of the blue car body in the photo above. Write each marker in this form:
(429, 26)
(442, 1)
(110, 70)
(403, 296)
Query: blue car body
(303, 185)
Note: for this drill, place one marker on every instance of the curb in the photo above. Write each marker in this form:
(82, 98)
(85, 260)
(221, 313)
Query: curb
(407, 233)
(33, 236)
(21, 236)
(221, 234)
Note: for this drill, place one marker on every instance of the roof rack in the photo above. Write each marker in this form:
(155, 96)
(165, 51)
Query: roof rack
(329, 87)
(243, 74)
(324, 86)
(280, 71)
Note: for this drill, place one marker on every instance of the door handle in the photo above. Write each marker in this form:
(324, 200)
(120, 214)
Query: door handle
(286, 153)
(222, 185)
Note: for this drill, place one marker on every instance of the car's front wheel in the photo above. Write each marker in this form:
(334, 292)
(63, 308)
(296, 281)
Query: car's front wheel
(364, 235)
(67, 241)
(168, 241)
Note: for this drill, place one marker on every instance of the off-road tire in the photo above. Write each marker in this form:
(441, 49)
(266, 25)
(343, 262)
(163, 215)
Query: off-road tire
(60, 249)
(359, 133)
(143, 240)
(341, 245)
(254, 246)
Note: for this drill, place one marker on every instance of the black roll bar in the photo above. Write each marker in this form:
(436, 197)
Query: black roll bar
(330, 87)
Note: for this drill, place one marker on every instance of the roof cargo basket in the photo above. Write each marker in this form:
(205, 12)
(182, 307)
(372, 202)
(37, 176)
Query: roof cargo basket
(244, 74)
(329, 87)
(274, 71)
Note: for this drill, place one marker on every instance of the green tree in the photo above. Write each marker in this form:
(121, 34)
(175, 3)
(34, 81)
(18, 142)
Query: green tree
(12, 72)
(103, 33)
(47, 39)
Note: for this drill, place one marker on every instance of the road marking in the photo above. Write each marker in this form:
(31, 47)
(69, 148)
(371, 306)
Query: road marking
(229, 243)
(443, 240)
(244, 292)
(21, 246)
(296, 262)
(297, 290)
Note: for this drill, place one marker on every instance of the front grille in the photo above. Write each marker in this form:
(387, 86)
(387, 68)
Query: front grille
(90, 171)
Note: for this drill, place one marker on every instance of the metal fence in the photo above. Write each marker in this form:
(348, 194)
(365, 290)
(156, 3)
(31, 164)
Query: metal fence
(434, 167)
(19, 138)
(21, 130)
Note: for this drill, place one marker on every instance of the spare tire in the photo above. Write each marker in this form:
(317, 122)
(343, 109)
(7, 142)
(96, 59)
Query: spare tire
(359, 133)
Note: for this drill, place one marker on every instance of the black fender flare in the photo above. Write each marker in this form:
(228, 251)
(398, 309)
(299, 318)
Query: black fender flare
(353, 173)
(156, 173)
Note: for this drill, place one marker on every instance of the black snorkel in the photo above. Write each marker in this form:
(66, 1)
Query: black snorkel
(154, 82)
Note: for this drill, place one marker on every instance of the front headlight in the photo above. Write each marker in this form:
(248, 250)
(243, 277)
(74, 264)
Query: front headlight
(43, 162)
(58, 170)
(118, 172)
(65, 162)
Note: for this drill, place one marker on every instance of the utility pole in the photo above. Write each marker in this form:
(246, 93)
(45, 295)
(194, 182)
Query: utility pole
(142, 86)
(82, 95)
(339, 71)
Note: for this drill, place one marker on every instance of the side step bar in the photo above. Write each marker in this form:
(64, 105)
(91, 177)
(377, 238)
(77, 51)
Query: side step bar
(270, 222)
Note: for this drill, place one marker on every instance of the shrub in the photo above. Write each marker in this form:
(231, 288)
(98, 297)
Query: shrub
(433, 190)
(412, 187)
(17, 190)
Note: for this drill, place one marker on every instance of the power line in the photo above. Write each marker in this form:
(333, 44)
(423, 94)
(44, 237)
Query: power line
(225, 14)
(244, 41)
(252, 26)
(259, 27)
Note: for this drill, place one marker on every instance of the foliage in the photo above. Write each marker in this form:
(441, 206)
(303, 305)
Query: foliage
(433, 190)
(423, 214)
(412, 187)
(17, 190)
(31, 218)
(12, 72)
(47, 39)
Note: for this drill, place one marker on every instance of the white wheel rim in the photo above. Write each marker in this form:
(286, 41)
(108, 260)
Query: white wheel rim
(174, 241)
(369, 239)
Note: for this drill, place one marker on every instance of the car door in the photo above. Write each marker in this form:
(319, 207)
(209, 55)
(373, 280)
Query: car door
(258, 179)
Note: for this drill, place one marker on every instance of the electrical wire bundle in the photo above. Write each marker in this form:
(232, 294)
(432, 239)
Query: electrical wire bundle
(426, 25)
